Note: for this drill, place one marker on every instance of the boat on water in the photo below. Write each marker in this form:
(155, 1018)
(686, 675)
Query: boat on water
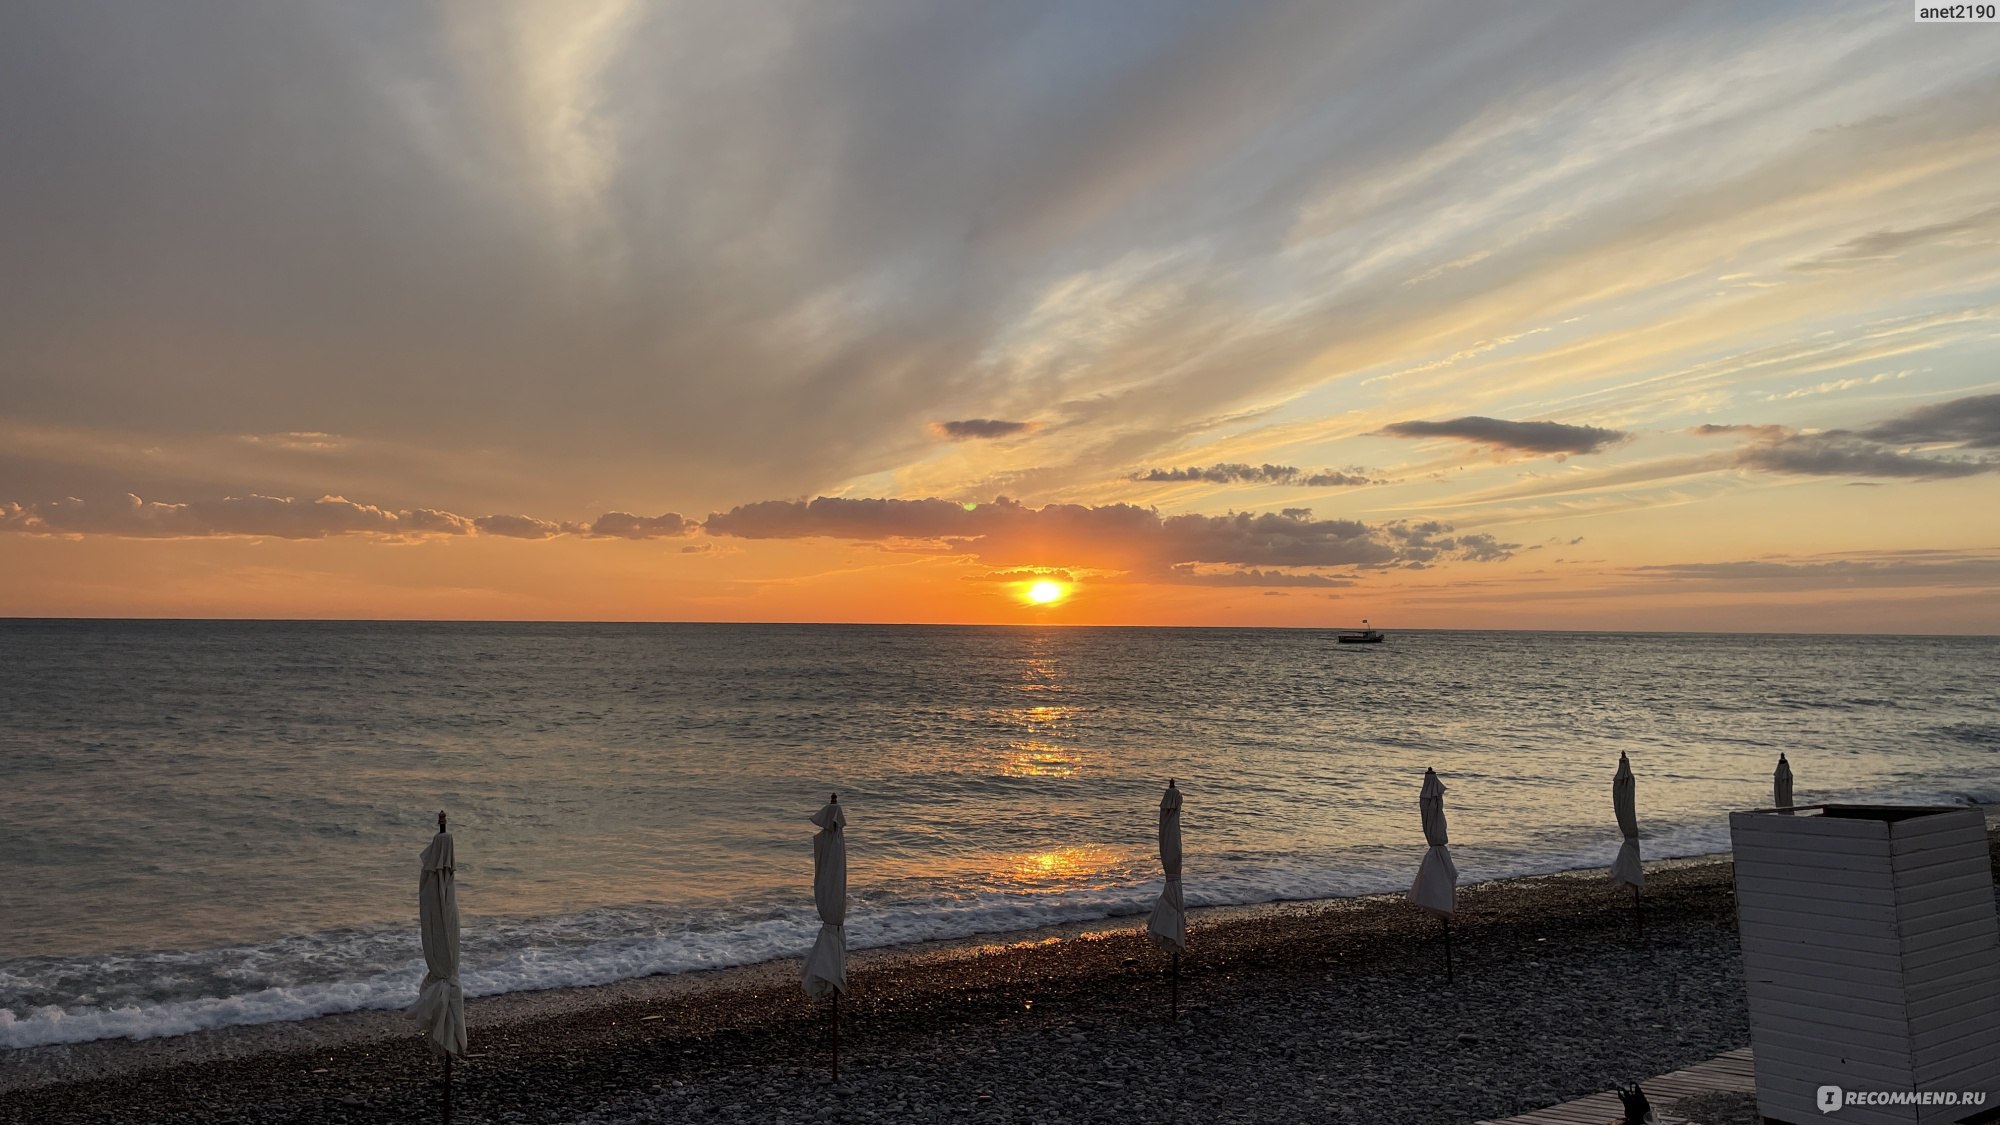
(1362, 636)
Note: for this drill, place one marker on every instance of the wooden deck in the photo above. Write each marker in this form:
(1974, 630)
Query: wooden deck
(1730, 1073)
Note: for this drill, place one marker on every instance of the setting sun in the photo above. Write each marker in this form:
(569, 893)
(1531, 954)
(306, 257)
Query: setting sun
(1044, 592)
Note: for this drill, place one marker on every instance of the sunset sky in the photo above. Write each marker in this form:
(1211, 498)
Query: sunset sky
(1670, 316)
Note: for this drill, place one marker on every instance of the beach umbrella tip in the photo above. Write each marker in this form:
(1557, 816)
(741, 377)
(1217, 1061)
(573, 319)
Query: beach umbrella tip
(440, 820)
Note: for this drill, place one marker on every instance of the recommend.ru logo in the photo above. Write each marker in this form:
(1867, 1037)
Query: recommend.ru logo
(1832, 1098)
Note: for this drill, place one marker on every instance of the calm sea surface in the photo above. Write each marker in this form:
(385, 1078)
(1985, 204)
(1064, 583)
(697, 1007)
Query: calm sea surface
(214, 823)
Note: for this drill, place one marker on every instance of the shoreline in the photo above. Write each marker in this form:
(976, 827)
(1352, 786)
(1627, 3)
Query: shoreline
(112, 1057)
(1324, 1010)
(746, 1044)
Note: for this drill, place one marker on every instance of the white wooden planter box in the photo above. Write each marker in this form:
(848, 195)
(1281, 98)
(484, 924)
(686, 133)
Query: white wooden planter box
(1872, 959)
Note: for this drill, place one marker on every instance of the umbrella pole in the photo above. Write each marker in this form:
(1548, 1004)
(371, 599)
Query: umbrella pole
(836, 1035)
(1176, 993)
(447, 1089)
(1447, 951)
(1639, 911)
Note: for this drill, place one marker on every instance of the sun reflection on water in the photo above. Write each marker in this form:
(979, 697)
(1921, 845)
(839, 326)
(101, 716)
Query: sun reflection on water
(1039, 759)
(1042, 732)
(1063, 869)
(1042, 719)
(1041, 673)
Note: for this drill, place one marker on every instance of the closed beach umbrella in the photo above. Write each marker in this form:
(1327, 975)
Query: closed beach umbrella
(1624, 804)
(1436, 886)
(826, 966)
(1781, 784)
(1168, 925)
(440, 1007)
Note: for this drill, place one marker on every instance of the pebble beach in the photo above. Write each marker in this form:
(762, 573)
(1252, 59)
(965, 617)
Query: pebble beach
(1326, 1011)
(1331, 1011)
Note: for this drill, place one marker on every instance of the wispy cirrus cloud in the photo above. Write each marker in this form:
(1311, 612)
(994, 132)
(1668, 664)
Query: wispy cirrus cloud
(1767, 432)
(1188, 574)
(1883, 245)
(298, 441)
(1877, 569)
(1152, 225)
(1834, 386)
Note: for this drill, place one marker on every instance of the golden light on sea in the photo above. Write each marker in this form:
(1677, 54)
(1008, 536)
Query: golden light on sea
(1039, 759)
(1051, 871)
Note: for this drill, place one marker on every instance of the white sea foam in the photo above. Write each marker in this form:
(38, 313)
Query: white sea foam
(518, 956)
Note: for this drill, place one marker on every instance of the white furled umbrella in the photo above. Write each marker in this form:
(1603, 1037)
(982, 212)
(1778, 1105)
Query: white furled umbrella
(1624, 805)
(1168, 925)
(1436, 885)
(440, 1007)
(1781, 784)
(826, 965)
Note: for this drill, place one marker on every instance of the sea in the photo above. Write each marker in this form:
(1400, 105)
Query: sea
(206, 824)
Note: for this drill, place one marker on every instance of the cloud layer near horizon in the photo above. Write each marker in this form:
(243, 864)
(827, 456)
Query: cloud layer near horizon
(1005, 533)
(1119, 537)
(284, 517)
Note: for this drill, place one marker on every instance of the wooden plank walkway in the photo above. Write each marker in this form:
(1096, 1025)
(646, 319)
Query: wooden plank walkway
(1730, 1073)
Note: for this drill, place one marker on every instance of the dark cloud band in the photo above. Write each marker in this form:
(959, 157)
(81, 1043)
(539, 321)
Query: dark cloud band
(1237, 473)
(1880, 450)
(1972, 422)
(1525, 437)
(1120, 537)
(972, 429)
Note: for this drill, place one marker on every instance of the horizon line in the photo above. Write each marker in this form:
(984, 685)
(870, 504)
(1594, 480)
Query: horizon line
(15, 618)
